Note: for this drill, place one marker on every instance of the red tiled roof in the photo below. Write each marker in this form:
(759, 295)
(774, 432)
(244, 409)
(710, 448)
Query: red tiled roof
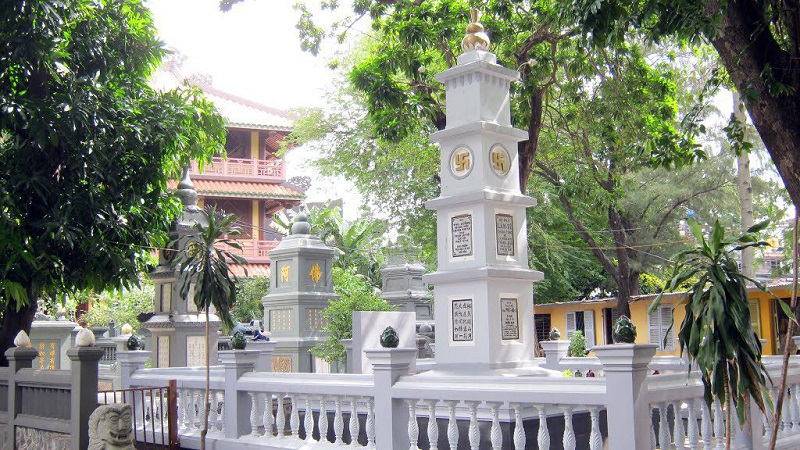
(242, 189)
(253, 270)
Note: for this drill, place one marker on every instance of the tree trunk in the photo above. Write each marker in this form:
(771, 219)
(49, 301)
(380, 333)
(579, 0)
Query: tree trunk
(207, 399)
(745, 191)
(749, 51)
(13, 322)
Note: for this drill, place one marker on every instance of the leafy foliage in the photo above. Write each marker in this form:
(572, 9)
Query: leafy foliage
(121, 307)
(86, 149)
(577, 344)
(717, 333)
(248, 298)
(356, 294)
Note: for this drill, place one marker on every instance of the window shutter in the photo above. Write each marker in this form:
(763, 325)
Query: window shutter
(570, 324)
(588, 325)
(755, 316)
(654, 329)
(666, 320)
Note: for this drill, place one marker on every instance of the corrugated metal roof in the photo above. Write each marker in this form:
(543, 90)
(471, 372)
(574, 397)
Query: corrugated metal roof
(242, 189)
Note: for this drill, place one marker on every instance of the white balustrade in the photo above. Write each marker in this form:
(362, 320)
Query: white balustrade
(473, 433)
(370, 423)
(253, 413)
(322, 421)
(338, 420)
(413, 428)
(678, 433)
(353, 426)
(569, 433)
(664, 438)
(308, 422)
(693, 432)
(280, 418)
(496, 434)
(267, 420)
(294, 417)
(719, 426)
(595, 438)
(433, 426)
(213, 414)
(705, 423)
(452, 425)
(542, 438)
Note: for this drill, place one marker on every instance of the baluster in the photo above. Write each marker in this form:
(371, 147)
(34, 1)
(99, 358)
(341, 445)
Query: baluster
(767, 418)
(664, 438)
(354, 425)
(294, 417)
(796, 401)
(371, 423)
(678, 431)
(543, 437)
(433, 427)
(595, 438)
(338, 421)
(253, 414)
(719, 425)
(693, 433)
(280, 418)
(221, 417)
(496, 434)
(705, 423)
(413, 428)
(786, 420)
(474, 433)
(322, 421)
(569, 433)
(793, 412)
(213, 414)
(652, 429)
(308, 422)
(452, 426)
(190, 409)
(267, 419)
(199, 402)
(182, 409)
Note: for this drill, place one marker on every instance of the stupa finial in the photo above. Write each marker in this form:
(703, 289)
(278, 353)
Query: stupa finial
(476, 38)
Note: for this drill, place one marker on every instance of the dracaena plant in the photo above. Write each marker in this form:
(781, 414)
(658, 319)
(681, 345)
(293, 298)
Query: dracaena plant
(716, 332)
(203, 263)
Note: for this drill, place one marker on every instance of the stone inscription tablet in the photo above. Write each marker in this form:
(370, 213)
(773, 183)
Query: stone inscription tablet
(462, 320)
(509, 319)
(504, 232)
(461, 233)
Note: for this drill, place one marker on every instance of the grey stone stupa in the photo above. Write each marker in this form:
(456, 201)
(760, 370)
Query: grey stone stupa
(301, 285)
(177, 329)
(404, 288)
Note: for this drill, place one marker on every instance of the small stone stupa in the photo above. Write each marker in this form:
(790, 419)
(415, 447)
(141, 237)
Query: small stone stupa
(301, 284)
(483, 288)
(177, 329)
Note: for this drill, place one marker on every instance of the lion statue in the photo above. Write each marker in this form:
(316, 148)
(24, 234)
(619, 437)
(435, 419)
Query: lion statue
(110, 428)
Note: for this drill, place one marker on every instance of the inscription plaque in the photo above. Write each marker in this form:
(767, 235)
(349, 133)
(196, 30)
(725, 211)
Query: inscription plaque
(462, 320)
(162, 344)
(461, 232)
(195, 351)
(509, 319)
(504, 233)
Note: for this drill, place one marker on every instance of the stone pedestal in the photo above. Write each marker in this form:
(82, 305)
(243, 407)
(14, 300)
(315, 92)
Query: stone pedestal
(553, 352)
(84, 391)
(265, 350)
(388, 365)
(237, 403)
(52, 339)
(625, 366)
(129, 362)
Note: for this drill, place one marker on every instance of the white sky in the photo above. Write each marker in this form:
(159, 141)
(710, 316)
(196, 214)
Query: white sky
(253, 51)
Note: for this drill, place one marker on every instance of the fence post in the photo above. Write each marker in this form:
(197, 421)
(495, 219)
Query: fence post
(553, 352)
(625, 366)
(84, 391)
(391, 415)
(129, 362)
(172, 414)
(18, 358)
(264, 349)
(237, 404)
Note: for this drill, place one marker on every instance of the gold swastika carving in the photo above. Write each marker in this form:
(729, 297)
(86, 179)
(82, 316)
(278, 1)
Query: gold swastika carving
(501, 160)
(461, 162)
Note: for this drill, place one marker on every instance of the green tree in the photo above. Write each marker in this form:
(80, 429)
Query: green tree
(86, 149)
(356, 294)
(577, 345)
(120, 307)
(248, 298)
(205, 276)
(757, 42)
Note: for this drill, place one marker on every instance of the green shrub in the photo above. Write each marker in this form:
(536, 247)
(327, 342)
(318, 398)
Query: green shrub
(577, 344)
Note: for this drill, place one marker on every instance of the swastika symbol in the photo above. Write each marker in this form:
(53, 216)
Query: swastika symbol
(499, 161)
(462, 161)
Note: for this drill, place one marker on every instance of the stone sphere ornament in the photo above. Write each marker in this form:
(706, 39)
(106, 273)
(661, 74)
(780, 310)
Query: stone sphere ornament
(127, 329)
(22, 339)
(134, 343)
(624, 331)
(84, 338)
(238, 341)
(389, 338)
(554, 334)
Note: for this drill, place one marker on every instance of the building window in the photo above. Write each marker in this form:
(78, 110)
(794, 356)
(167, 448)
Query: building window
(542, 324)
(755, 316)
(662, 332)
(582, 321)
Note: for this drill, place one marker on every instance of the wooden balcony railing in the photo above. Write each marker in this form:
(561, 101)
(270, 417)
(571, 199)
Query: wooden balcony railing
(242, 169)
(254, 250)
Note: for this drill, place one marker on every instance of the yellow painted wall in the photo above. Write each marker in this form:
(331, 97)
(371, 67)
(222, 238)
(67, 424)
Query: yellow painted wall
(640, 320)
(256, 231)
(558, 317)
